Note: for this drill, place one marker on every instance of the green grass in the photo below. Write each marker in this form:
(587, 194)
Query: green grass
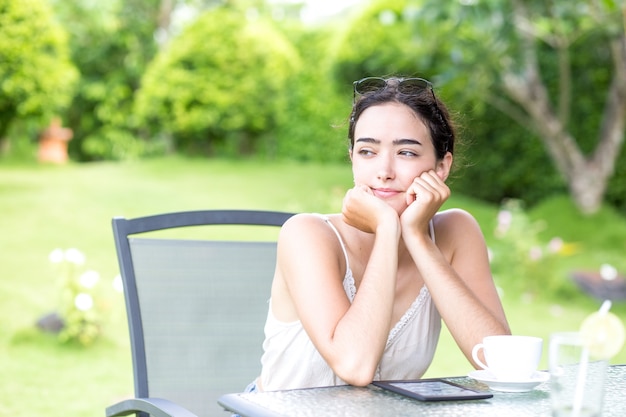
(48, 207)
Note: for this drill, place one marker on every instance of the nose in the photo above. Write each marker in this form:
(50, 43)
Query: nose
(385, 170)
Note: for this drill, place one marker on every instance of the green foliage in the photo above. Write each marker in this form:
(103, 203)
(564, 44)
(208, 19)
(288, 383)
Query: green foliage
(501, 160)
(112, 42)
(36, 75)
(381, 41)
(521, 261)
(314, 124)
(219, 86)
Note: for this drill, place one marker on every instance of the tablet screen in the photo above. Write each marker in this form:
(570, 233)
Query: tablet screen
(433, 390)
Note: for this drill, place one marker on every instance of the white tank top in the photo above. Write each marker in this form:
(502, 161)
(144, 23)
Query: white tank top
(290, 360)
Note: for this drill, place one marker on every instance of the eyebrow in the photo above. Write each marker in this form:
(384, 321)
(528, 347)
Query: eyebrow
(396, 142)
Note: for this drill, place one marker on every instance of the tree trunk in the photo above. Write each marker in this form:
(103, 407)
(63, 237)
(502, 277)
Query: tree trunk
(587, 189)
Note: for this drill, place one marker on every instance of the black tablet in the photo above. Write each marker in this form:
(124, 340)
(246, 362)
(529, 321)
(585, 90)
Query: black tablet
(432, 390)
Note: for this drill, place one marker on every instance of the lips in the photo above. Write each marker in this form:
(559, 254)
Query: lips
(385, 192)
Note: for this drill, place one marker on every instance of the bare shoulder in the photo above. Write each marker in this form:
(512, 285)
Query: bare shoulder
(309, 262)
(456, 225)
(304, 224)
(455, 218)
(307, 230)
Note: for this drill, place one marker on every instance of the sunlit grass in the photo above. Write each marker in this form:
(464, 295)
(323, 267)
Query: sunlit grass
(48, 207)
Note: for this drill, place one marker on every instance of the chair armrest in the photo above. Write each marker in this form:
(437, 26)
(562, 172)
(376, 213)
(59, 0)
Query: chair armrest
(156, 407)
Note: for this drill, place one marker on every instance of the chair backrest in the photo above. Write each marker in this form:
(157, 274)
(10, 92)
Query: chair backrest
(196, 308)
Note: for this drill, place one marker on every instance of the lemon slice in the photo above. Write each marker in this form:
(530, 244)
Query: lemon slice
(603, 334)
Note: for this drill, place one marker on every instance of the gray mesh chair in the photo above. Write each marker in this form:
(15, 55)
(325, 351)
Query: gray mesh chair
(196, 308)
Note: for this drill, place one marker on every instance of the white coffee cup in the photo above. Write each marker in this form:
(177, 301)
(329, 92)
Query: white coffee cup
(510, 358)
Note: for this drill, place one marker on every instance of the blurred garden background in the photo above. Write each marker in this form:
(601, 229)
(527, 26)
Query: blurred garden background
(136, 107)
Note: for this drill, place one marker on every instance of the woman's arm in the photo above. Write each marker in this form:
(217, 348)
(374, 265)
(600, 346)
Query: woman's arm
(351, 337)
(460, 282)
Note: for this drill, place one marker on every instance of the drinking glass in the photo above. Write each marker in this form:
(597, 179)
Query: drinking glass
(576, 379)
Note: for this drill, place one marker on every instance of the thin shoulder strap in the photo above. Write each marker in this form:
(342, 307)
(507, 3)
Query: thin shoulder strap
(431, 228)
(343, 247)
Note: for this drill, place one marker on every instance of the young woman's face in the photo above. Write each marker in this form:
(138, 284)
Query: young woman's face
(392, 147)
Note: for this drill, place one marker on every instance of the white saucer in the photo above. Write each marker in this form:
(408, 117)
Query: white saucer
(487, 377)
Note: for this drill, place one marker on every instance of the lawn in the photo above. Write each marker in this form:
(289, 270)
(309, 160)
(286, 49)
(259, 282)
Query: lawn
(48, 207)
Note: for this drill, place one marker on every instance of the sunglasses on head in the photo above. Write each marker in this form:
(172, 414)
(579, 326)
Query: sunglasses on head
(403, 85)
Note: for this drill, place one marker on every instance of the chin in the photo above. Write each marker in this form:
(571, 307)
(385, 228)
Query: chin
(400, 208)
(398, 205)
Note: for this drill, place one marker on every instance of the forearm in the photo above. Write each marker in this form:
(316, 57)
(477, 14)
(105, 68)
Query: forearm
(467, 317)
(361, 335)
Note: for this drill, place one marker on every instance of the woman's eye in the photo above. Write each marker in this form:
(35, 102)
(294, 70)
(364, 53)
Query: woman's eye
(408, 153)
(366, 152)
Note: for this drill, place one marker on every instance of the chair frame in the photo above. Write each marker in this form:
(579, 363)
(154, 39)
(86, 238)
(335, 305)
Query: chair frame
(123, 228)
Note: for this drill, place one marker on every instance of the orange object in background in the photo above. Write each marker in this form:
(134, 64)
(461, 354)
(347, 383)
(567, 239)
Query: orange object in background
(53, 143)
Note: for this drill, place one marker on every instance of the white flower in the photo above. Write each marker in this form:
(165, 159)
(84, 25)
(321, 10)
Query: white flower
(608, 272)
(56, 256)
(83, 301)
(118, 285)
(89, 279)
(505, 218)
(555, 245)
(74, 256)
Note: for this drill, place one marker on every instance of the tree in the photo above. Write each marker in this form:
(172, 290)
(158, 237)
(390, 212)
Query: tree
(504, 49)
(36, 76)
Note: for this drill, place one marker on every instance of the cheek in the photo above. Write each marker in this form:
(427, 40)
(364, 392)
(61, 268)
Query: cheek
(409, 171)
(358, 172)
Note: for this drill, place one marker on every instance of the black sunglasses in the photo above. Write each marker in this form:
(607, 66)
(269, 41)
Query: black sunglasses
(403, 85)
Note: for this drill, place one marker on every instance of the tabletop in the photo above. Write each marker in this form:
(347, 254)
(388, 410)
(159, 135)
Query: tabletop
(372, 401)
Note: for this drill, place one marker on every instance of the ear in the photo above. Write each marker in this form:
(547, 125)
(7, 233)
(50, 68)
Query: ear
(443, 166)
(350, 153)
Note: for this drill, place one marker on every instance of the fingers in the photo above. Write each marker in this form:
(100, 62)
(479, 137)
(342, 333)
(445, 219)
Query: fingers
(427, 187)
(425, 197)
(363, 210)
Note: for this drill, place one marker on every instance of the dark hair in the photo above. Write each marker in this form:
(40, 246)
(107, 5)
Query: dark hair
(421, 100)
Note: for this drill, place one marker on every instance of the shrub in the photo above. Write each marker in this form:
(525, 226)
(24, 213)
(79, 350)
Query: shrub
(219, 86)
(36, 75)
(314, 125)
(79, 315)
(379, 41)
(111, 43)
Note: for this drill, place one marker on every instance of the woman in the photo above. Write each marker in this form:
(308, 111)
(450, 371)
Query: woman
(359, 296)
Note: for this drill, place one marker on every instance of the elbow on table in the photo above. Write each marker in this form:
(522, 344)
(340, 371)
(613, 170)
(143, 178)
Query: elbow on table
(356, 374)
